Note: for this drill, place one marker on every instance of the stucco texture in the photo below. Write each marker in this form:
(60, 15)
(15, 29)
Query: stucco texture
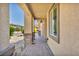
(4, 26)
(69, 31)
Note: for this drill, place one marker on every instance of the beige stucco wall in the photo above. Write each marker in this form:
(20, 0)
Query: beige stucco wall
(69, 31)
(27, 23)
(27, 18)
(4, 26)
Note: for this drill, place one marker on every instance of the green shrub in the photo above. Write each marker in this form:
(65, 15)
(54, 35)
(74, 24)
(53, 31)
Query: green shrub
(11, 30)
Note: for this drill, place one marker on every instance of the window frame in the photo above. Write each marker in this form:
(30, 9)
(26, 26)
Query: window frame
(57, 37)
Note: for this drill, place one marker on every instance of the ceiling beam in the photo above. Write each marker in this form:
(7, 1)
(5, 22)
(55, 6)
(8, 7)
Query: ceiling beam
(40, 18)
(29, 7)
(25, 8)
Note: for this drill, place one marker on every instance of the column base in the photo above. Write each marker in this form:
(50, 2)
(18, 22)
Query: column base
(28, 39)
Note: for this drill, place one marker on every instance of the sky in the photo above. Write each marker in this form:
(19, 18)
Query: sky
(16, 14)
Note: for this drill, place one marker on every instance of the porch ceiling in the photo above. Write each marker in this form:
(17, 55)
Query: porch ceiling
(39, 10)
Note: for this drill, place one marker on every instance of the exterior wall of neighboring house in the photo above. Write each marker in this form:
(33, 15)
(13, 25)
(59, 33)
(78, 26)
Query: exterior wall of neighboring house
(4, 26)
(69, 31)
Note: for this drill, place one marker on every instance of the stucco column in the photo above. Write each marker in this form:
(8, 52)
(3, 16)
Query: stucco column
(28, 29)
(4, 26)
(44, 28)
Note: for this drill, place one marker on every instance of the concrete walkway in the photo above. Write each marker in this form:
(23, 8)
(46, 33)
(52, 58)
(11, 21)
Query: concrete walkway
(40, 48)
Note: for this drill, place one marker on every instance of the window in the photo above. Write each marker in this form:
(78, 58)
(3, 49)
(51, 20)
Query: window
(53, 23)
